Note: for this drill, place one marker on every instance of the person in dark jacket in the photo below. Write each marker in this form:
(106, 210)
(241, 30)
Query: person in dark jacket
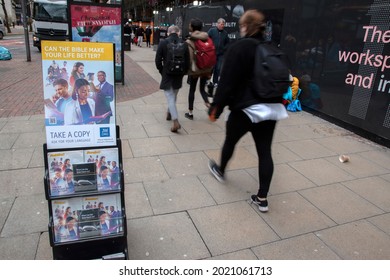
(194, 73)
(220, 39)
(248, 112)
(148, 34)
(170, 83)
(140, 35)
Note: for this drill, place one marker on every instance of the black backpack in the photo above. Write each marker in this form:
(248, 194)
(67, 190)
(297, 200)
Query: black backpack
(176, 63)
(271, 72)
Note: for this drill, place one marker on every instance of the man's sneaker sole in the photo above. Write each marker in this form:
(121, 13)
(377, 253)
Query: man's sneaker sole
(215, 173)
(263, 205)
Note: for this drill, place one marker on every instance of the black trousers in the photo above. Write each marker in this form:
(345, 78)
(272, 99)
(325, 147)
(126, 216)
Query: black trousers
(191, 95)
(238, 125)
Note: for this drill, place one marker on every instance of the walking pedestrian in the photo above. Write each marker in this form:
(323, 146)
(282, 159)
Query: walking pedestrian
(220, 39)
(195, 74)
(247, 111)
(140, 35)
(148, 33)
(171, 83)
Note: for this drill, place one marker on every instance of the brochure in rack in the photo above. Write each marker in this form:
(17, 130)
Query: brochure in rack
(83, 171)
(79, 218)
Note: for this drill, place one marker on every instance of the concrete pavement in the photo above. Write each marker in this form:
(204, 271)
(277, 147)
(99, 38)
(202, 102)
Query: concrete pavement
(319, 208)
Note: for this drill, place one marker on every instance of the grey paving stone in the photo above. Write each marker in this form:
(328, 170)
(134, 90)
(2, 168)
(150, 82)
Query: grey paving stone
(15, 158)
(239, 255)
(285, 179)
(386, 177)
(246, 140)
(308, 149)
(238, 186)
(291, 215)
(152, 146)
(22, 182)
(281, 154)
(6, 203)
(194, 142)
(30, 140)
(201, 109)
(37, 158)
(3, 122)
(185, 164)
(327, 129)
(321, 171)
(358, 166)
(19, 118)
(359, 240)
(155, 98)
(380, 156)
(23, 126)
(133, 131)
(145, 168)
(382, 222)
(231, 227)
(345, 144)
(149, 108)
(340, 204)
(44, 251)
(137, 202)
(303, 247)
(301, 132)
(200, 125)
(126, 150)
(124, 110)
(138, 119)
(7, 140)
(241, 158)
(40, 117)
(374, 189)
(11, 249)
(178, 194)
(171, 237)
(29, 214)
(280, 136)
(219, 137)
(162, 129)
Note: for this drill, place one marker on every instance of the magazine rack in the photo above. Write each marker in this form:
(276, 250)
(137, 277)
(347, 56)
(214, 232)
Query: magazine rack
(85, 192)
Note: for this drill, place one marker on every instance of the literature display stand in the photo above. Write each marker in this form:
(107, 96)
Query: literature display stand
(85, 191)
(84, 182)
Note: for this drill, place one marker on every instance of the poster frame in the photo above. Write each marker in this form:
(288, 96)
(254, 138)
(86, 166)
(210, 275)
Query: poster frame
(119, 70)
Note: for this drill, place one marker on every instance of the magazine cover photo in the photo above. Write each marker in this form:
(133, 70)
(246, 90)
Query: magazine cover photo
(83, 171)
(65, 213)
(107, 167)
(101, 215)
(61, 174)
(80, 218)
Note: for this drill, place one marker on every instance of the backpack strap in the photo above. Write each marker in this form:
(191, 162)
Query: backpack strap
(193, 49)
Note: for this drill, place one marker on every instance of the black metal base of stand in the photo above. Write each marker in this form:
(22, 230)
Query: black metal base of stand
(112, 248)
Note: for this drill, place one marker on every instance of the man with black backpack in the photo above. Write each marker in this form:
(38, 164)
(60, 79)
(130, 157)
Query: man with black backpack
(172, 61)
(254, 99)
